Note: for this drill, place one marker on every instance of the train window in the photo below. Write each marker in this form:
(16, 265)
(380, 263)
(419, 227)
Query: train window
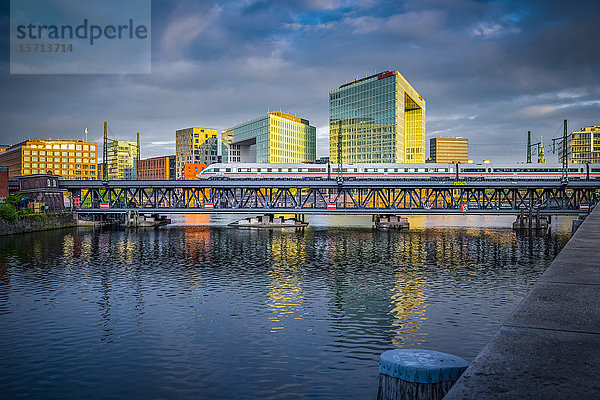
(269, 169)
(395, 169)
(581, 169)
(216, 169)
(227, 169)
(489, 170)
(405, 169)
(289, 170)
(595, 169)
(258, 169)
(385, 170)
(278, 169)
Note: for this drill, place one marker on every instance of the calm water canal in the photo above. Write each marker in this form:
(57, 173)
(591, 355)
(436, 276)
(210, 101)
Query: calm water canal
(209, 312)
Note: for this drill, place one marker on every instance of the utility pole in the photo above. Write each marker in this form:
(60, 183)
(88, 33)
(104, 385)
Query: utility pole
(340, 176)
(528, 147)
(565, 161)
(105, 155)
(219, 147)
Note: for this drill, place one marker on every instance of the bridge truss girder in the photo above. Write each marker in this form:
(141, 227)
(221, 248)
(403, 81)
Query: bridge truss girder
(369, 199)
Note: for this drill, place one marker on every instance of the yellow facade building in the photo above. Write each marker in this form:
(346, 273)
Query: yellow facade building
(583, 146)
(71, 159)
(449, 150)
(380, 119)
(195, 146)
(122, 159)
(276, 137)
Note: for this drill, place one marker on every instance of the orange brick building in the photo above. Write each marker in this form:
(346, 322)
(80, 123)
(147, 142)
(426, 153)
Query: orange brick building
(158, 168)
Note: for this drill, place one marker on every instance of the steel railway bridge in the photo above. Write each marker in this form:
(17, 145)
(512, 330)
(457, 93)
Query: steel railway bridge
(329, 197)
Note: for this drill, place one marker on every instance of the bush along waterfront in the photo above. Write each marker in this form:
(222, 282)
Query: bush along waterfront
(14, 218)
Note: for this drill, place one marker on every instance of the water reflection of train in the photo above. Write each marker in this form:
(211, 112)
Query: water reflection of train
(429, 171)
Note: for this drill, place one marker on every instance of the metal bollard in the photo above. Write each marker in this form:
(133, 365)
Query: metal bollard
(411, 374)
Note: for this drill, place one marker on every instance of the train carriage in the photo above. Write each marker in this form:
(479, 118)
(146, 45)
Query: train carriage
(420, 172)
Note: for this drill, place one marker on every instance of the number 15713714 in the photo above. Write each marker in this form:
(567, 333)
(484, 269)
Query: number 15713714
(45, 48)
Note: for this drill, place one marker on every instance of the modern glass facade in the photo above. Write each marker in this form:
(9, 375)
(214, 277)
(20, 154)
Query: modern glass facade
(122, 160)
(583, 146)
(276, 137)
(382, 120)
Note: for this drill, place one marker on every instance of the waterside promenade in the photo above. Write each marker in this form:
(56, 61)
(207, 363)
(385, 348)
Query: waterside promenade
(549, 347)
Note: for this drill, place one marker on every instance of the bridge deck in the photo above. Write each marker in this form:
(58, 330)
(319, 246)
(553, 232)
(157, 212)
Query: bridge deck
(549, 347)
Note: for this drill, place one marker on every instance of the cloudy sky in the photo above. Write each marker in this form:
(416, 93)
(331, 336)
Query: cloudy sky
(488, 70)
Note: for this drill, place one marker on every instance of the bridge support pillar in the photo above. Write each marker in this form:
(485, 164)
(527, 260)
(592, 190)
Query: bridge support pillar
(390, 222)
(530, 222)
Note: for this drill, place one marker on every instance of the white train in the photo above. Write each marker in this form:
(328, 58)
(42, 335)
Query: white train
(429, 171)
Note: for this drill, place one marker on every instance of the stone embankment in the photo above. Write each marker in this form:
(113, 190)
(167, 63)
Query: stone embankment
(41, 222)
(549, 346)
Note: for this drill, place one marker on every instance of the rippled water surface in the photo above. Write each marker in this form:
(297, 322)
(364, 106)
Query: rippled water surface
(207, 311)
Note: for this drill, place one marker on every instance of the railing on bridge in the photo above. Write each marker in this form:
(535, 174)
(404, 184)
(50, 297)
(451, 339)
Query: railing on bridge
(355, 197)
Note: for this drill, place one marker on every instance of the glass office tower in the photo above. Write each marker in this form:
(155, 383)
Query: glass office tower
(380, 119)
(276, 137)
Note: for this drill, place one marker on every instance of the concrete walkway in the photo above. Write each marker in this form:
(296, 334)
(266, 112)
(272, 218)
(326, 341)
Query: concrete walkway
(549, 347)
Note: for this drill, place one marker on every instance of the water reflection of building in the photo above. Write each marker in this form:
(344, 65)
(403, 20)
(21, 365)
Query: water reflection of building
(286, 277)
(409, 292)
(408, 303)
(369, 269)
(196, 219)
(197, 239)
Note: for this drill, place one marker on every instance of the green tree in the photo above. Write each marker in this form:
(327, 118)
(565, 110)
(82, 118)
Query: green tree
(8, 212)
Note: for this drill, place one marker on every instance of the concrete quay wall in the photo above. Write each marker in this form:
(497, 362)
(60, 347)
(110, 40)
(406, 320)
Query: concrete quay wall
(34, 223)
(549, 346)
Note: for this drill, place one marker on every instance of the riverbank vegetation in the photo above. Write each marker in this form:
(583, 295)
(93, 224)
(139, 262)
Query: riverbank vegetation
(13, 208)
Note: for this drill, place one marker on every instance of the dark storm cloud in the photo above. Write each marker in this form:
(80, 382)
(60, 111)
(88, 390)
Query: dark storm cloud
(489, 71)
